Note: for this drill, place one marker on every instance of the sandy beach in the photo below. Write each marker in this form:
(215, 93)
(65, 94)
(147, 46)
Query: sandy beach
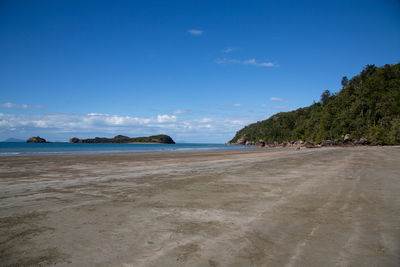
(264, 207)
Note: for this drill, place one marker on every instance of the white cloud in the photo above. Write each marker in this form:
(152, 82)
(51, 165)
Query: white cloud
(277, 99)
(8, 105)
(255, 63)
(237, 105)
(205, 120)
(226, 61)
(97, 114)
(166, 118)
(19, 106)
(181, 111)
(228, 50)
(195, 32)
(252, 62)
(40, 123)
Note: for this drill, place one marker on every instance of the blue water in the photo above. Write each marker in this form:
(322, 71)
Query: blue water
(24, 149)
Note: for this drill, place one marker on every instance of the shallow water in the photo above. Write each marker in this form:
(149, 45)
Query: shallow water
(22, 149)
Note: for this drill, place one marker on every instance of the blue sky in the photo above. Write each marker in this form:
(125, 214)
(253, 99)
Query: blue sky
(196, 70)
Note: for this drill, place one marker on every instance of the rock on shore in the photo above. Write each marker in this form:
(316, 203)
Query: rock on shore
(347, 141)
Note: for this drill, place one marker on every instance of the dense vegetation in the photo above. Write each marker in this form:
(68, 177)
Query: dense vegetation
(367, 106)
(36, 139)
(162, 139)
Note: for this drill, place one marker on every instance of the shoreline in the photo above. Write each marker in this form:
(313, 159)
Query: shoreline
(106, 148)
(182, 150)
(158, 155)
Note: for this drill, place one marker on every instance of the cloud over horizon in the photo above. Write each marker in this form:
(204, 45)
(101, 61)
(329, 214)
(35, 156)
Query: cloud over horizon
(65, 126)
(19, 106)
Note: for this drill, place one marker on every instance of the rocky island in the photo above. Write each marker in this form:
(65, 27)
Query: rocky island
(156, 139)
(36, 139)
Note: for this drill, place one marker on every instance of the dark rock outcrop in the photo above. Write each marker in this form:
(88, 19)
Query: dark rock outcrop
(241, 141)
(327, 143)
(309, 145)
(260, 143)
(36, 139)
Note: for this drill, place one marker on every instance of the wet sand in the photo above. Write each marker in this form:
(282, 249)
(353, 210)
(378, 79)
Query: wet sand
(266, 207)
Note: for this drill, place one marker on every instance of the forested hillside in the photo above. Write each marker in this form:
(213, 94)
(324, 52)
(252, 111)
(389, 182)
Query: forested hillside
(367, 106)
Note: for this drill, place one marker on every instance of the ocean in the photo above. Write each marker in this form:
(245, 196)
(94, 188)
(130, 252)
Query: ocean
(28, 149)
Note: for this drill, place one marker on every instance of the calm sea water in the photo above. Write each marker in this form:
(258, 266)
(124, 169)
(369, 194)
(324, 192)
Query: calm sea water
(23, 149)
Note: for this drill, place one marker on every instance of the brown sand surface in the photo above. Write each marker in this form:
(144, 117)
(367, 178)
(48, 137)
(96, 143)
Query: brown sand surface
(265, 207)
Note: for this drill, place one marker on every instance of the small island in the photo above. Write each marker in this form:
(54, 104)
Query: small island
(36, 139)
(121, 139)
(154, 139)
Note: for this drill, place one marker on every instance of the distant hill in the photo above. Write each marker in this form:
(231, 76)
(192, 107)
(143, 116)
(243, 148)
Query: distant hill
(160, 139)
(367, 108)
(15, 140)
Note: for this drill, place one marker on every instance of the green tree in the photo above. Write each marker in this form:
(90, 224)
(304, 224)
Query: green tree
(345, 81)
(325, 96)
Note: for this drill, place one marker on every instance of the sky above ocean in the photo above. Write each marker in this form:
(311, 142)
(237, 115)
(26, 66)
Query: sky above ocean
(196, 70)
